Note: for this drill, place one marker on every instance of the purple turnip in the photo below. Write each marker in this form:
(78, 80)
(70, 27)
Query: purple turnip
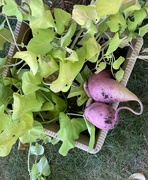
(102, 88)
(103, 116)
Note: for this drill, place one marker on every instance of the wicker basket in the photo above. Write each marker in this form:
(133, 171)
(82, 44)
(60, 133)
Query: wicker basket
(52, 129)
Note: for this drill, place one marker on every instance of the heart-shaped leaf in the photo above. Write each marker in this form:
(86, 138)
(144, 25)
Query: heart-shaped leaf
(70, 130)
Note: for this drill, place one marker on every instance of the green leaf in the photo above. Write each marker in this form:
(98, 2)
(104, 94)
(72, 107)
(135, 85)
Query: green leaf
(67, 38)
(37, 149)
(43, 167)
(30, 58)
(130, 7)
(9, 137)
(5, 95)
(25, 103)
(81, 14)
(41, 43)
(92, 47)
(107, 7)
(47, 66)
(101, 66)
(58, 54)
(139, 16)
(33, 134)
(73, 57)
(57, 101)
(69, 131)
(42, 22)
(2, 24)
(37, 8)
(3, 61)
(11, 9)
(114, 44)
(79, 92)
(30, 83)
(4, 119)
(91, 131)
(143, 30)
(113, 25)
(117, 63)
(12, 130)
(61, 16)
(119, 74)
(4, 34)
(68, 71)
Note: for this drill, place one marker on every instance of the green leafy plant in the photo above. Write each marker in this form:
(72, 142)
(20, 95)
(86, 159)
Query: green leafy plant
(49, 74)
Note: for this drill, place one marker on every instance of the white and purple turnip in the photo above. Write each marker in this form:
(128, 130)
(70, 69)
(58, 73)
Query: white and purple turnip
(102, 88)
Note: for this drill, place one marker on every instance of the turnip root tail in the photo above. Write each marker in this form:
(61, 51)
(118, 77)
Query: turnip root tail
(128, 108)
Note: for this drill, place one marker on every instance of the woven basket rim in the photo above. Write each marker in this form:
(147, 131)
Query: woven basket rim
(130, 62)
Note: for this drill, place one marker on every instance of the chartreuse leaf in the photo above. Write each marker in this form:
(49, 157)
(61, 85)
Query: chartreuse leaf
(42, 22)
(116, 22)
(4, 34)
(5, 94)
(101, 66)
(117, 63)
(4, 120)
(107, 7)
(92, 48)
(22, 104)
(42, 16)
(30, 83)
(47, 65)
(68, 71)
(9, 137)
(119, 74)
(41, 43)
(57, 101)
(113, 24)
(61, 16)
(139, 16)
(70, 130)
(3, 61)
(37, 8)
(30, 58)
(12, 130)
(82, 14)
(58, 54)
(66, 39)
(73, 55)
(91, 130)
(143, 30)
(11, 9)
(114, 44)
(32, 134)
(130, 7)
(79, 92)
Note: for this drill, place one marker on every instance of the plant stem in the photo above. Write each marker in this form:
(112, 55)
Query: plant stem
(48, 122)
(29, 158)
(73, 114)
(76, 38)
(12, 33)
(11, 65)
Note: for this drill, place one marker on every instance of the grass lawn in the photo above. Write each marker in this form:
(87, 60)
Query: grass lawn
(125, 150)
